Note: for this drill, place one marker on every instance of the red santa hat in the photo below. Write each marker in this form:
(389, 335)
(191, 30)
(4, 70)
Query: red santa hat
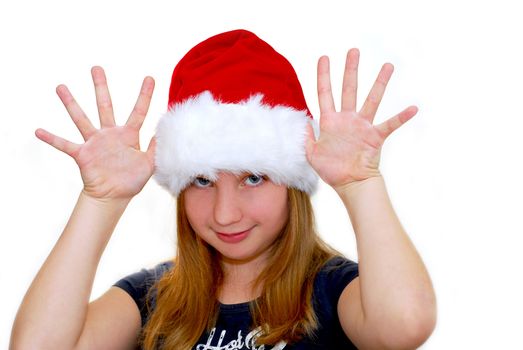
(236, 105)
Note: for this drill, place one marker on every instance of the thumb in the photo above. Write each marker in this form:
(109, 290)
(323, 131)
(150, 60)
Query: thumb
(151, 151)
(310, 142)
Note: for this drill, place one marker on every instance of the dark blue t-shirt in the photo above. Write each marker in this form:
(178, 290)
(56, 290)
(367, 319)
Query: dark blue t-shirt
(233, 328)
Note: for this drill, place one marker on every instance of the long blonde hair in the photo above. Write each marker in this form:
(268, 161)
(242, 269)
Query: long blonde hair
(184, 310)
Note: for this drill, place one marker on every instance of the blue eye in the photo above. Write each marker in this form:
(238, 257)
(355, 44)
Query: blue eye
(251, 180)
(255, 180)
(201, 182)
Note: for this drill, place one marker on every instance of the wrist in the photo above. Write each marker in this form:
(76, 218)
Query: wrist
(356, 187)
(105, 203)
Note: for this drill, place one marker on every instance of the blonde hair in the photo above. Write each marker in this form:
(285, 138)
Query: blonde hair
(284, 310)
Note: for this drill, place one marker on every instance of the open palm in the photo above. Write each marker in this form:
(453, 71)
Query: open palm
(349, 146)
(110, 161)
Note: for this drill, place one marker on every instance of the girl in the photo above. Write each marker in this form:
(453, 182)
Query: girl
(239, 150)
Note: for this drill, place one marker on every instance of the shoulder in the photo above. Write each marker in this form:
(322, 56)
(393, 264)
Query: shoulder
(138, 284)
(336, 274)
(144, 278)
(339, 262)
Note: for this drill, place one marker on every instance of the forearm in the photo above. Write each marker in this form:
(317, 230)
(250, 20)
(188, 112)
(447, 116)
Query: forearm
(396, 289)
(54, 308)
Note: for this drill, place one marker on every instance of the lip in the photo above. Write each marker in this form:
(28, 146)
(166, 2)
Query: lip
(233, 237)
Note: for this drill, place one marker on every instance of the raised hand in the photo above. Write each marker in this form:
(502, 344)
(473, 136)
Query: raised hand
(110, 161)
(349, 146)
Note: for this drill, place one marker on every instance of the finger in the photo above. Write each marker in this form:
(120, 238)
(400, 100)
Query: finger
(350, 81)
(77, 114)
(57, 142)
(142, 104)
(103, 98)
(324, 86)
(368, 111)
(387, 127)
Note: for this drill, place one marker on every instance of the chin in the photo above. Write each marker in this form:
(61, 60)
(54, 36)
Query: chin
(237, 257)
(238, 254)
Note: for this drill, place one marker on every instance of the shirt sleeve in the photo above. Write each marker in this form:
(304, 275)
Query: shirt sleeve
(338, 273)
(137, 285)
(330, 282)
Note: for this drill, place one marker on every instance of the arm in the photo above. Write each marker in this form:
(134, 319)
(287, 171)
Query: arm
(392, 301)
(54, 309)
(391, 305)
(55, 312)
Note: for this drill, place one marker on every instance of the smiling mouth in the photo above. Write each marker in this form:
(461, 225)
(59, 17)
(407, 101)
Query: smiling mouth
(231, 234)
(234, 237)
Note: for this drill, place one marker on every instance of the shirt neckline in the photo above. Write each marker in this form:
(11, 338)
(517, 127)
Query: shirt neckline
(235, 307)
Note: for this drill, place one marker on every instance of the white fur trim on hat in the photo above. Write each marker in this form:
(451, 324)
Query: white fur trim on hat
(203, 136)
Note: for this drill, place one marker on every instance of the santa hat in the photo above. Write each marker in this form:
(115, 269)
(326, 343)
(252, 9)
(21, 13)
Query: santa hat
(235, 105)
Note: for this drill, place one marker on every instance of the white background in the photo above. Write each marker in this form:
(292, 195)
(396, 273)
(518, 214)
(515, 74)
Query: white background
(453, 172)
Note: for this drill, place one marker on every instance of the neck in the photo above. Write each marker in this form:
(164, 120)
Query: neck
(239, 280)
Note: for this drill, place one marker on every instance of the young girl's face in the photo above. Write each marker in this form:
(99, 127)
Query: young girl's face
(240, 216)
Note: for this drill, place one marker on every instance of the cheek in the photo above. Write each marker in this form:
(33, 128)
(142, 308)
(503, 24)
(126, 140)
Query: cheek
(196, 208)
(272, 207)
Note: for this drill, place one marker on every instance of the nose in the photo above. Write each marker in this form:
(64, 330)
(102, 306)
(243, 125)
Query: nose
(227, 208)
